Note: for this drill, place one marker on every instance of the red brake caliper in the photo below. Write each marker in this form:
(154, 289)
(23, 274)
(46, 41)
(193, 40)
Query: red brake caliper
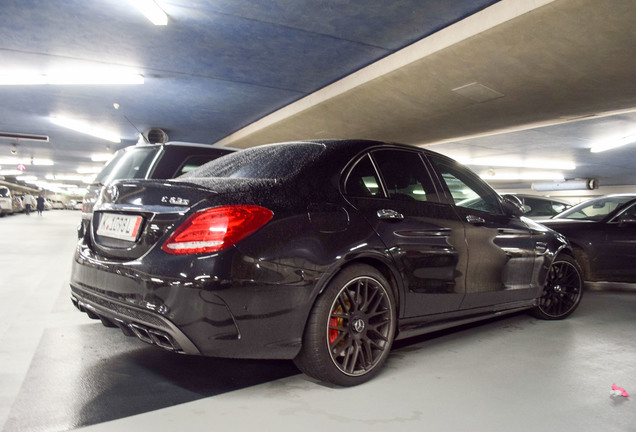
(333, 333)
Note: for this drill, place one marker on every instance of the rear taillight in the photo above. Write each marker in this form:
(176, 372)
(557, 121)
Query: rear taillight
(215, 229)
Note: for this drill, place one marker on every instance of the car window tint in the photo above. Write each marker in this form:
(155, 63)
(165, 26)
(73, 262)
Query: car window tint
(363, 180)
(405, 175)
(628, 214)
(466, 189)
(539, 207)
(192, 163)
(132, 163)
(595, 210)
(558, 207)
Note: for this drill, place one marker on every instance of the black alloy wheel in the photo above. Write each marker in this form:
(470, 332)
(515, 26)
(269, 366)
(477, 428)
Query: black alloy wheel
(563, 290)
(350, 331)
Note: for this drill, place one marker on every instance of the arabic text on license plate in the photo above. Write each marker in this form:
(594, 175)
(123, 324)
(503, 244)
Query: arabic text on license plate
(123, 227)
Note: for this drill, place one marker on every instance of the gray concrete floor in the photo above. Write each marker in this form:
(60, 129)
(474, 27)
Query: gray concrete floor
(61, 371)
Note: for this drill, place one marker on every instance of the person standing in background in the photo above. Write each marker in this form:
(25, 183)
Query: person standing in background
(29, 202)
(40, 205)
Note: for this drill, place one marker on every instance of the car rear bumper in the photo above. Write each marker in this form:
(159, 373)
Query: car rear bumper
(148, 327)
(204, 310)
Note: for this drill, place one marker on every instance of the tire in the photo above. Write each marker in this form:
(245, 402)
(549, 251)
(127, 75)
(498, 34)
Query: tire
(562, 291)
(350, 330)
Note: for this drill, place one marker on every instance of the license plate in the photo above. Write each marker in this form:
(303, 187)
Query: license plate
(122, 227)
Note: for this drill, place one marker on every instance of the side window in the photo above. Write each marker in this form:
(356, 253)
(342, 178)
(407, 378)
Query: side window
(363, 180)
(539, 207)
(405, 175)
(467, 190)
(558, 207)
(628, 214)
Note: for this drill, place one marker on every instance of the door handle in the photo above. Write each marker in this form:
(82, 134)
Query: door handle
(475, 220)
(389, 214)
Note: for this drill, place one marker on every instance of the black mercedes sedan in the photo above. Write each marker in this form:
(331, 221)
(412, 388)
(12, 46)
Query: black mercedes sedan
(602, 232)
(323, 252)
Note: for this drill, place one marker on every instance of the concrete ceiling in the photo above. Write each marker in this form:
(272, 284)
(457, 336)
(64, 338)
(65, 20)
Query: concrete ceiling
(526, 79)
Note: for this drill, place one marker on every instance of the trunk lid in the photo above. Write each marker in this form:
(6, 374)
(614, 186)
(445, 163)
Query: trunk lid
(131, 216)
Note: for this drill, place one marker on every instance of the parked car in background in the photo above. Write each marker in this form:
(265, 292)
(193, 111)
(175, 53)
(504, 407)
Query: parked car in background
(57, 205)
(602, 232)
(151, 161)
(324, 252)
(539, 207)
(18, 204)
(6, 201)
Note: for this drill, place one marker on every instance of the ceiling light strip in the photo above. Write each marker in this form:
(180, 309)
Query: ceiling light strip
(152, 11)
(86, 128)
(613, 144)
(100, 77)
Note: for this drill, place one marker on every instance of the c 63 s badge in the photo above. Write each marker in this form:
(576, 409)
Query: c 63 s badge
(175, 200)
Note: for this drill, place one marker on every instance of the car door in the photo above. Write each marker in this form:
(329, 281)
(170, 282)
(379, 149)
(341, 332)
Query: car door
(616, 252)
(395, 193)
(501, 248)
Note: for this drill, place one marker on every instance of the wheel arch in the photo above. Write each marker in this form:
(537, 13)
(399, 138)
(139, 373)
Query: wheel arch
(379, 262)
(582, 257)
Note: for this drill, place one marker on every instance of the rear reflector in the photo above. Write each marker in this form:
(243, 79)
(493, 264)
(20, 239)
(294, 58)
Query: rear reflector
(215, 229)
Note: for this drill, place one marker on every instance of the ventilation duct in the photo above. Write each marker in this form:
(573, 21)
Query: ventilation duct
(579, 184)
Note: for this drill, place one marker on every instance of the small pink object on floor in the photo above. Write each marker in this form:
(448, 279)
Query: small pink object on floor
(618, 391)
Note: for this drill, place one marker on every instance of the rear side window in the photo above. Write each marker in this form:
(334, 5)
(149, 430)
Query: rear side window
(405, 175)
(363, 180)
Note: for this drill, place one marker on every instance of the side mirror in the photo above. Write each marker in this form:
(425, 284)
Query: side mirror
(513, 206)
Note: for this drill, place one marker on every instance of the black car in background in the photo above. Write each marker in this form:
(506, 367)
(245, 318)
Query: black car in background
(324, 252)
(602, 232)
(151, 161)
(540, 207)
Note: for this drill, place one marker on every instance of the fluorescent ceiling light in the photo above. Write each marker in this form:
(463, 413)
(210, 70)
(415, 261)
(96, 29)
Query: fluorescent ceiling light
(86, 128)
(152, 11)
(102, 77)
(490, 176)
(70, 177)
(519, 163)
(609, 145)
(101, 157)
(10, 172)
(89, 170)
(27, 161)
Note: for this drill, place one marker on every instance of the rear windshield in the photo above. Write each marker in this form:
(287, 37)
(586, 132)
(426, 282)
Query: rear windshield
(273, 161)
(4, 192)
(128, 164)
